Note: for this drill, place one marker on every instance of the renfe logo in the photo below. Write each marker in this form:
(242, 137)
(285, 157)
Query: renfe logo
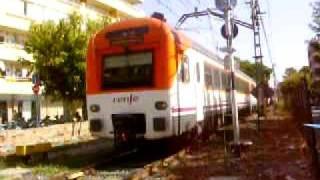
(128, 99)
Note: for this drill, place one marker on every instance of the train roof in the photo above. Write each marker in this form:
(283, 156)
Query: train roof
(182, 41)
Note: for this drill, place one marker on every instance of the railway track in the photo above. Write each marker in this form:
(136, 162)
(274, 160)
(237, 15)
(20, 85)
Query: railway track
(120, 165)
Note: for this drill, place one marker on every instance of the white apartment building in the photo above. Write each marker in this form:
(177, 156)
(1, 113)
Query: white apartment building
(15, 17)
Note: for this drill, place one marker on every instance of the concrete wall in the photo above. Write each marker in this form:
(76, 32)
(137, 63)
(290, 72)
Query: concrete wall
(57, 135)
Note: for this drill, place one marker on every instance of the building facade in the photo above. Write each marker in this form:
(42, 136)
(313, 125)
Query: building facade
(16, 95)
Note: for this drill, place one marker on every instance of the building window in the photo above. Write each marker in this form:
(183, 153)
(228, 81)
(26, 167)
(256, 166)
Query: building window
(36, 11)
(11, 38)
(2, 36)
(20, 107)
(2, 73)
(2, 39)
(16, 7)
(8, 71)
(33, 109)
(3, 112)
(18, 72)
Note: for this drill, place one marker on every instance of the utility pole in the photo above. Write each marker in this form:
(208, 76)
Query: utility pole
(275, 82)
(36, 89)
(229, 31)
(255, 8)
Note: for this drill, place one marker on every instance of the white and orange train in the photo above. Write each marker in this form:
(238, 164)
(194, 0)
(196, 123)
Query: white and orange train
(146, 80)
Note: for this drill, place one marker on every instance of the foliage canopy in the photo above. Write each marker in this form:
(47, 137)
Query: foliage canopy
(250, 69)
(59, 53)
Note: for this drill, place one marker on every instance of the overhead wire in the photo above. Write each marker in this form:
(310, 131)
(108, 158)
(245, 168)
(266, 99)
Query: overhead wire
(213, 39)
(268, 8)
(191, 6)
(168, 8)
(180, 5)
(269, 50)
(188, 3)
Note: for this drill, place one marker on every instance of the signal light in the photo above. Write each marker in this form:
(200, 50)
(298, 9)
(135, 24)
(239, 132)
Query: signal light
(158, 15)
(94, 108)
(161, 105)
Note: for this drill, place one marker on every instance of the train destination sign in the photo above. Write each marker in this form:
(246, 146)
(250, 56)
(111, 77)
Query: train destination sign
(127, 36)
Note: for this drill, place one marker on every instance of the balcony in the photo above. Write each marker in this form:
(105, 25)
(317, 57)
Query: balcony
(10, 85)
(135, 1)
(15, 22)
(13, 52)
(123, 7)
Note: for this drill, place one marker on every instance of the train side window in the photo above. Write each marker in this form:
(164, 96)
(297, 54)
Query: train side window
(185, 70)
(208, 76)
(241, 85)
(237, 84)
(216, 78)
(225, 80)
(198, 72)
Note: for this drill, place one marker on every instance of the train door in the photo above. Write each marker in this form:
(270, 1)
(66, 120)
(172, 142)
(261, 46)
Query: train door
(186, 106)
(199, 89)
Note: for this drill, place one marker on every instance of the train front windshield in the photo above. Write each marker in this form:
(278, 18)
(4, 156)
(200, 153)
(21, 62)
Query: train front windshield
(128, 71)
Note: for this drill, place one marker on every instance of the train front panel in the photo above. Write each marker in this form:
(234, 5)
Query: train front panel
(131, 66)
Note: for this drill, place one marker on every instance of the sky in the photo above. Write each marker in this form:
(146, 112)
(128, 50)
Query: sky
(286, 24)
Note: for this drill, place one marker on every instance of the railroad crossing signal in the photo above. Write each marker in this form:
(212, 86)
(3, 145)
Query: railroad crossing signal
(224, 33)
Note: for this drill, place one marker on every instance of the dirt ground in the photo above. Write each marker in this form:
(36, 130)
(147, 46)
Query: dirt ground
(278, 152)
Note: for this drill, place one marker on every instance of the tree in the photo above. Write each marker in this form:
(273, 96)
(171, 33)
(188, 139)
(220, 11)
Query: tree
(250, 69)
(289, 72)
(59, 53)
(292, 80)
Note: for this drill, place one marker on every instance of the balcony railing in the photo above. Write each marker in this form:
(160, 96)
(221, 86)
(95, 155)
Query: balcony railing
(14, 21)
(122, 6)
(17, 79)
(13, 52)
(15, 86)
(135, 1)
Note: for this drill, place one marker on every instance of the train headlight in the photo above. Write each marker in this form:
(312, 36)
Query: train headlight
(94, 108)
(161, 105)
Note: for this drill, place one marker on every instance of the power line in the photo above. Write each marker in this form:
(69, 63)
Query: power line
(188, 3)
(268, 8)
(181, 5)
(168, 8)
(269, 51)
(195, 29)
(211, 29)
